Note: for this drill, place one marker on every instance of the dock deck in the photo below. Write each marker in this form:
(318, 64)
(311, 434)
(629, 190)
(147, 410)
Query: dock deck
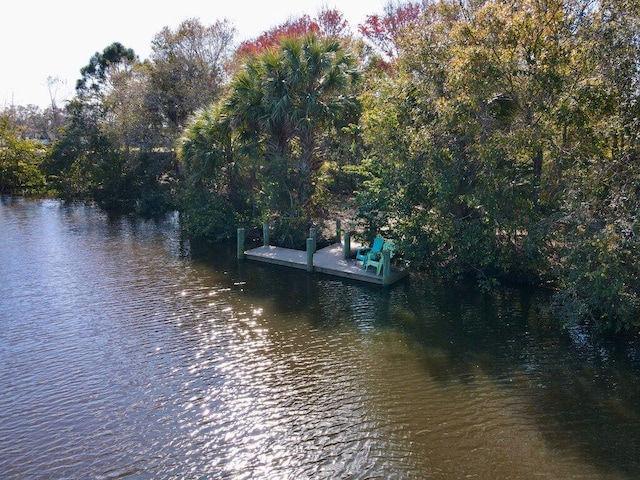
(328, 260)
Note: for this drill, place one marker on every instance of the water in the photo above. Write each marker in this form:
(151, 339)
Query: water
(126, 353)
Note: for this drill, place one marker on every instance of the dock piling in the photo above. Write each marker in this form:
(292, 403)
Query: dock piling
(240, 249)
(346, 246)
(312, 236)
(265, 234)
(386, 267)
(310, 251)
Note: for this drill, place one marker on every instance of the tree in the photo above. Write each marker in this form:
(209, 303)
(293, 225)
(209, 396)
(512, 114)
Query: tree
(96, 75)
(20, 161)
(598, 262)
(384, 31)
(87, 160)
(33, 123)
(211, 203)
(54, 111)
(288, 97)
(187, 69)
(505, 146)
(294, 27)
(118, 148)
(327, 23)
(331, 23)
(258, 152)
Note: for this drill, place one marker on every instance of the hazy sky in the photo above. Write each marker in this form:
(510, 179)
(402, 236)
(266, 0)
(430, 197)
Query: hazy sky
(44, 38)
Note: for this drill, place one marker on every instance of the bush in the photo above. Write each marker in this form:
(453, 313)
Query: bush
(20, 162)
(600, 281)
(206, 215)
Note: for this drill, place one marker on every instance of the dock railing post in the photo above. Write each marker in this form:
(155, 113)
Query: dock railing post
(312, 236)
(346, 246)
(338, 231)
(386, 267)
(240, 251)
(265, 234)
(310, 250)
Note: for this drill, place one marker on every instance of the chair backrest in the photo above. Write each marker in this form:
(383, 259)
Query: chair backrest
(378, 243)
(389, 245)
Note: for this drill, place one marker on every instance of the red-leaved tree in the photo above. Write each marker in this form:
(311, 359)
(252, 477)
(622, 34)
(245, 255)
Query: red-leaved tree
(383, 31)
(295, 27)
(332, 23)
(328, 23)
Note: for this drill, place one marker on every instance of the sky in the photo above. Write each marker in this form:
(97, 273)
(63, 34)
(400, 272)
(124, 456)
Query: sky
(46, 39)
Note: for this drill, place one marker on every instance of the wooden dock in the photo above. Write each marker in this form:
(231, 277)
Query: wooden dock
(329, 260)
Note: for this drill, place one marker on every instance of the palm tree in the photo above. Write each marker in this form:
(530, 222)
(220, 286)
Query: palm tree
(287, 97)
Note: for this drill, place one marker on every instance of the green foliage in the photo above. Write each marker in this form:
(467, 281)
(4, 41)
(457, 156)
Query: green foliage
(114, 149)
(101, 66)
(290, 232)
(155, 202)
(601, 280)
(207, 215)
(77, 151)
(261, 148)
(87, 162)
(20, 162)
(187, 69)
(500, 122)
(284, 99)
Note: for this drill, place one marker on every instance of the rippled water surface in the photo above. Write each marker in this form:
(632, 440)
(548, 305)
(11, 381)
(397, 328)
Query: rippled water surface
(124, 353)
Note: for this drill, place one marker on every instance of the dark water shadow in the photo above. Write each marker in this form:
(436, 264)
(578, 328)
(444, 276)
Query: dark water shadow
(581, 388)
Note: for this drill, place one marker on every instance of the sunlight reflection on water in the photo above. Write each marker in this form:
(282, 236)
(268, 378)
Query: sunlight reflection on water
(122, 354)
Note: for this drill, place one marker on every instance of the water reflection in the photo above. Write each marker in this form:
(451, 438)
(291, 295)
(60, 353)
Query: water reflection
(508, 383)
(125, 351)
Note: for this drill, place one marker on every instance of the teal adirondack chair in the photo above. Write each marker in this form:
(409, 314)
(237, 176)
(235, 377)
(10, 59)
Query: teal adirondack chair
(363, 253)
(376, 259)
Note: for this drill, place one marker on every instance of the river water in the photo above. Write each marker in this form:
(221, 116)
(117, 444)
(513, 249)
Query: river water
(127, 353)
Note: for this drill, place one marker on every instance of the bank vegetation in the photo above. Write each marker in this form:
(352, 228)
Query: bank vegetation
(492, 140)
